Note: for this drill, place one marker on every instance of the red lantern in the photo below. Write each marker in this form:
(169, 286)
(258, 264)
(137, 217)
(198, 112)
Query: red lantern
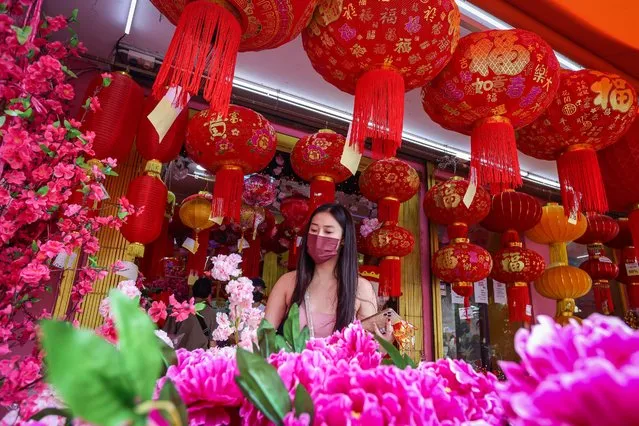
(148, 140)
(498, 81)
(377, 51)
(162, 247)
(116, 122)
(601, 270)
(210, 33)
(591, 111)
(601, 229)
(147, 192)
(389, 182)
(242, 143)
(295, 210)
(624, 237)
(390, 243)
(462, 264)
(316, 158)
(629, 274)
(512, 210)
(259, 191)
(444, 203)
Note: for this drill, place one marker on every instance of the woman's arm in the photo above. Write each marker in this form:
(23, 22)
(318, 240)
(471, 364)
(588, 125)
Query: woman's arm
(279, 299)
(367, 299)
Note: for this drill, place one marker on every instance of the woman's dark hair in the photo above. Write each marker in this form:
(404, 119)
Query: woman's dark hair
(346, 270)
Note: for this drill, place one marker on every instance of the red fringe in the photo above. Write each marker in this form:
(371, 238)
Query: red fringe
(633, 295)
(227, 193)
(633, 222)
(206, 41)
(251, 258)
(494, 155)
(518, 299)
(603, 298)
(390, 277)
(197, 262)
(322, 192)
(379, 111)
(464, 290)
(580, 177)
(388, 210)
(293, 254)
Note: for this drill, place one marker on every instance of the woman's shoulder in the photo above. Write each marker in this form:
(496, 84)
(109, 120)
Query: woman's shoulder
(364, 287)
(286, 282)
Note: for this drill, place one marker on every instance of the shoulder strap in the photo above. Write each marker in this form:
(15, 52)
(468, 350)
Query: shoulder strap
(205, 329)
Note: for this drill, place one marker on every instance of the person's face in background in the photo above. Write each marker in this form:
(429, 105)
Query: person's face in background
(258, 294)
(325, 225)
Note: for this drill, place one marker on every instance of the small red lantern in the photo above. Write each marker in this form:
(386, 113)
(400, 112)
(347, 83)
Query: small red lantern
(295, 210)
(147, 192)
(600, 230)
(243, 142)
(498, 81)
(377, 51)
(391, 243)
(444, 203)
(389, 182)
(316, 159)
(629, 274)
(592, 110)
(624, 237)
(253, 221)
(601, 271)
(116, 122)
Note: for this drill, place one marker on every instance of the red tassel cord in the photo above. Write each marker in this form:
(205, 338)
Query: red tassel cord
(205, 45)
(251, 258)
(518, 301)
(465, 290)
(603, 297)
(494, 154)
(580, 178)
(196, 263)
(293, 254)
(227, 193)
(633, 294)
(388, 210)
(379, 111)
(390, 276)
(322, 192)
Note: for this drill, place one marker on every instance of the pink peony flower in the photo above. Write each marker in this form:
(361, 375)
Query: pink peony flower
(35, 273)
(574, 375)
(157, 311)
(303, 420)
(182, 311)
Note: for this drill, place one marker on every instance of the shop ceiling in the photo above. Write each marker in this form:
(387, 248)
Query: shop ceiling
(284, 73)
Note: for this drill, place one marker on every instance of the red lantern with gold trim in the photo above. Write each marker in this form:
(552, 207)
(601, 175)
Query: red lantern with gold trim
(601, 271)
(389, 182)
(295, 210)
(629, 274)
(209, 35)
(316, 159)
(497, 82)
(624, 237)
(377, 51)
(243, 142)
(592, 110)
(390, 243)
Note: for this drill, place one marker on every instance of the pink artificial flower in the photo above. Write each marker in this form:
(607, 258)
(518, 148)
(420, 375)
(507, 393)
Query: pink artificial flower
(129, 288)
(111, 162)
(105, 308)
(182, 311)
(157, 311)
(52, 248)
(35, 273)
(303, 420)
(72, 209)
(66, 171)
(15, 177)
(65, 91)
(94, 104)
(106, 75)
(108, 331)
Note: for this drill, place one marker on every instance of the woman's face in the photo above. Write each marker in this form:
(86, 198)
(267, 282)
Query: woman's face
(325, 225)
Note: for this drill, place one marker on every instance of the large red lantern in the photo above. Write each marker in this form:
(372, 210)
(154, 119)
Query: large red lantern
(316, 159)
(497, 82)
(209, 35)
(389, 182)
(592, 110)
(149, 193)
(295, 210)
(390, 243)
(116, 121)
(241, 143)
(253, 221)
(377, 51)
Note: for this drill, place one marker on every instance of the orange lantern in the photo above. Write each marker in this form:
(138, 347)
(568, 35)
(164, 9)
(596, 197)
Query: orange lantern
(195, 213)
(564, 283)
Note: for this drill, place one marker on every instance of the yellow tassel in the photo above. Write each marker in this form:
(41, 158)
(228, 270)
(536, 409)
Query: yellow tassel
(153, 168)
(134, 250)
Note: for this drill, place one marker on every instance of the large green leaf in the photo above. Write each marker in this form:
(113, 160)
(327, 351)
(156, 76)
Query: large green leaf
(396, 357)
(300, 340)
(266, 339)
(292, 325)
(139, 346)
(261, 384)
(89, 375)
(169, 393)
(303, 402)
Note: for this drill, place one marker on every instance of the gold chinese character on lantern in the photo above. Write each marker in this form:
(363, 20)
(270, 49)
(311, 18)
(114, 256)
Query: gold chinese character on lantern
(389, 16)
(358, 51)
(502, 57)
(403, 45)
(540, 73)
(614, 93)
(349, 11)
(512, 262)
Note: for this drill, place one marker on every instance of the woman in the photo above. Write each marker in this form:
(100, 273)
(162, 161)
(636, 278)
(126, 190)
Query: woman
(326, 285)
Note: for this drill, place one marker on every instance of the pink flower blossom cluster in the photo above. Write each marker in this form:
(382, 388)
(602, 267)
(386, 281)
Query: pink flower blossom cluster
(226, 267)
(368, 226)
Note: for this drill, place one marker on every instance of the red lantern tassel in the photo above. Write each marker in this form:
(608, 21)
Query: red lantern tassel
(322, 192)
(251, 257)
(633, 222)
(151, 265)
(518, 300)
(580, 177)
(603, 297)
(196, 262)
(494, 154)
(227, 193)
(206, 41)
(633, 295)
(465, 290)
(293, 254)
(379, 111)
(388, 210)
(390, 276)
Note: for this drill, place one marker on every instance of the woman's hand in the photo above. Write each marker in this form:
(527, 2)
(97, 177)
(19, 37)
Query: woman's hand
(387, 332)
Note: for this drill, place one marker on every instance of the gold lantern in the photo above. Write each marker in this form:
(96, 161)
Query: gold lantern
(195, 213)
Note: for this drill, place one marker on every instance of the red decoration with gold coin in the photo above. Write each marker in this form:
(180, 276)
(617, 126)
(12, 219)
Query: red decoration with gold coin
(316, 159)
(209, 35)
(377, 51)
(592, 110)
(390, 243)
(243, 142)
(497, 82)
(389, 182)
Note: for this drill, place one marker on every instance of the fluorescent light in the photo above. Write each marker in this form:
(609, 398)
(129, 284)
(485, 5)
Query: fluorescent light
(129, 18)
(583, 256)
(198, 167)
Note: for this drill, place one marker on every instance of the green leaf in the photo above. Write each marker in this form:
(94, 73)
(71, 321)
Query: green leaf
(88, 373)
(300, 341)
(122, 214)
(87, 103)
(199, 306)
(74, 16)
(17, 113)
(59, 412)
(81, 162)
(42, 191)
(106, 82)
(303, 402)
(409, 361)
(3, 119)
(169, 393)
(394, 354)
(138, 343)
(93, 261)
(266, 339)
(34, 247)
(56, 124)
(22, 34)
(261, 384)
(68, 125)
(47, 151)
(281, 343)
(30, 53)
(68, 72)
(3, 8)
(108, 171)
(292, 325)
(73, 41)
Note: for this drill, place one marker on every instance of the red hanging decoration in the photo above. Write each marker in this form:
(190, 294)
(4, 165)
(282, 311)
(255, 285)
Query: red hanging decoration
(629, 275)
(316, 159)
(601, 270)
(624, 237)
(389, 182)
(497, 82)
(378, 51)
(151, 265)
(444, 203)
(116, 122)
(295, 210)
(242, 143)
(591, 111)
(196, 262)
(390, 243)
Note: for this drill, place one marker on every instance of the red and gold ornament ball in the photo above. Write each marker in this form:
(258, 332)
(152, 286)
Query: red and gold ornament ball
(390, 243)
(444, 203)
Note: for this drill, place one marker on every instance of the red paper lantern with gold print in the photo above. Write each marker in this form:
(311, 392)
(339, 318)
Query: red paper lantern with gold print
(512, 211)
(209, 35)
(629, 274)
(377, 51)
(390, 243)
(497, 82)
(592, 110)
(316, 159)
(243, 142)
(389, 182)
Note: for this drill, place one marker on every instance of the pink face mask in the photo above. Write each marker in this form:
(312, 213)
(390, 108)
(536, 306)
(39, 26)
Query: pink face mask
(321, 248)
